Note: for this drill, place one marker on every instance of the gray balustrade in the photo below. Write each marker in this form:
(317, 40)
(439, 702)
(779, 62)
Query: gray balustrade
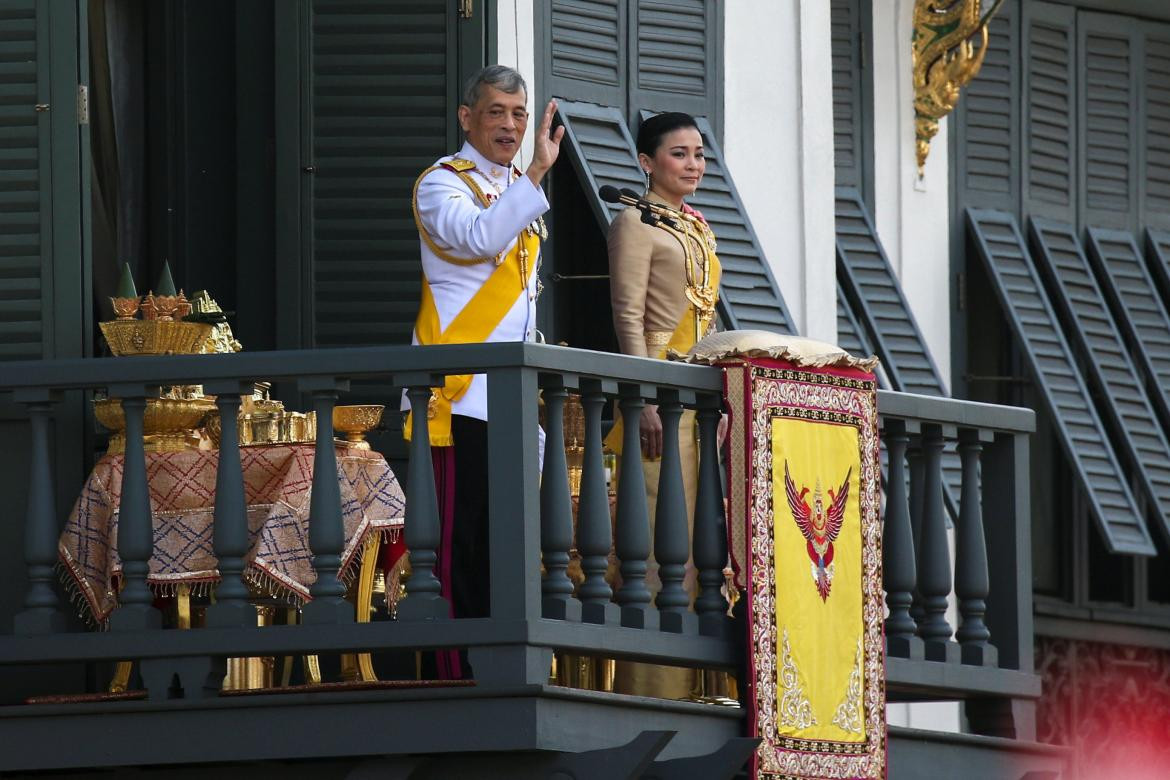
(135, 525)
(710, 532)
(671, 542)
(230, 533)
(511, 648)
(917, 483)
(934, 561)
(633, 520)
(971, 577)
(421, 531)
(556, 511)
(42, 613)
(594, 529)
(898, 561)
(326, 530)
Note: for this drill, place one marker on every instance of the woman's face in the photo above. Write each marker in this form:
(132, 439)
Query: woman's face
(677, 165)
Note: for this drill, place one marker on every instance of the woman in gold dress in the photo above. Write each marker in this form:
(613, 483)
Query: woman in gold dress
(664, 280)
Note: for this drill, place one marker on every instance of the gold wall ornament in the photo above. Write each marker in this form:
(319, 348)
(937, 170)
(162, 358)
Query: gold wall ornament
(944, 60)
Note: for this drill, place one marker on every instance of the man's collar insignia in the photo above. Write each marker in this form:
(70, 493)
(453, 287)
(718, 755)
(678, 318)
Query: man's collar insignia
(458, 164)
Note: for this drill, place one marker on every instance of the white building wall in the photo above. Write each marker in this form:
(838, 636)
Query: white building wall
(912, 214)
(778, 141)
(516, 48)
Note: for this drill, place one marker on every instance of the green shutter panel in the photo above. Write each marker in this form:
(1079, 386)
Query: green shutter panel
(845, 40)
(674, 59)
(379, 108)
(1158, 244)
(876, 297)
(586, 50)
(1137, 308)
(1077, 295)
(602, 153)
(1155, 166)
(851, 337)
(1054, 369)
(1108, 121)
(1049, 100)
(988, 117)
(25, 208)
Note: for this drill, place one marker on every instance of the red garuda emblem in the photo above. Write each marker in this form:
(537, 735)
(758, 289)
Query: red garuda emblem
(819, 525)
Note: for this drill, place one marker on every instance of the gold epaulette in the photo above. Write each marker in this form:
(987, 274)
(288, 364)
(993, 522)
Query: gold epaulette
(458, 164)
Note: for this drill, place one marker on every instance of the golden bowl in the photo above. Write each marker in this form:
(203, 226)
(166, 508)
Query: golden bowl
(155, 337)
(168, 424)
(354, 422)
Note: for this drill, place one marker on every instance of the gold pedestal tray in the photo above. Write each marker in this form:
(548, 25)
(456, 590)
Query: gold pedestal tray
(155, 337)
(169, 424)
(354, 422)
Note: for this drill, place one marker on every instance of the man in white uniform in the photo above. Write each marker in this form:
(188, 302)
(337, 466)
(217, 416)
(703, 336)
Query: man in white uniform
(479, 222)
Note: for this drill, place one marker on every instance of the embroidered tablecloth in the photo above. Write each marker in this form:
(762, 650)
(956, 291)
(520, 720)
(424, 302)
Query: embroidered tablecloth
(277, 485)
(806, 545)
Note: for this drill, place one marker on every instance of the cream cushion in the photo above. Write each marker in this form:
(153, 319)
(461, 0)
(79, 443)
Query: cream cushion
(806, 353)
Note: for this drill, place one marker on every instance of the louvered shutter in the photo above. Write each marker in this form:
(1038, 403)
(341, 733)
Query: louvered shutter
(380, 112)
(1049, 102)
(1077, 295)
(988, 116)
(849, 152)
(602, 153)
(25, 206)
(1158, 247)
(585, 50)
(1108, 120)
(876, 297)
(1042, 345)
(1155, 101)
(673, 55)
(852, 338)
(1137, 308)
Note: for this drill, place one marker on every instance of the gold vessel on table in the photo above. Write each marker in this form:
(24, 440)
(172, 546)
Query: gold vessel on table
(352, 423)
(169, 424)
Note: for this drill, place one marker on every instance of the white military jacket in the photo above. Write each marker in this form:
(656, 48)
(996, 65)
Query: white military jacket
(457, 222)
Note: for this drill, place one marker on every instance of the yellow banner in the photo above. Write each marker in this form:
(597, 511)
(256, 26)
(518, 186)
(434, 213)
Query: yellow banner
(818, 580)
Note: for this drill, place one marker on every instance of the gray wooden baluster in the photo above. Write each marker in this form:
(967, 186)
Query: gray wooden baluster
(326, 530)
(556, 511)
(971, 577)
(898, 565)
(42, 609)
(671, 542)
(633, 520)
(594, 529)
(917, 483)
(135, 525)
(934, 560)
(710, 534)
(421, 530)
(230, 533)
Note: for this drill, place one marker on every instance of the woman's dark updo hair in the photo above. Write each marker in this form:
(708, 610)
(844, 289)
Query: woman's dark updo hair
(651, 132)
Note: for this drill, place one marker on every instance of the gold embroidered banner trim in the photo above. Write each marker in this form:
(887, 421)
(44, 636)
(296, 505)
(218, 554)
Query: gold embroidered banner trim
(795, 709)
(848, 715)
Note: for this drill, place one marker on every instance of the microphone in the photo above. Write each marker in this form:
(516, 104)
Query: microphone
(610, 194)
(652, 213)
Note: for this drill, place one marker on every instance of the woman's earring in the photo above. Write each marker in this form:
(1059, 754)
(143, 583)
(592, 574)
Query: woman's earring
(647, 181)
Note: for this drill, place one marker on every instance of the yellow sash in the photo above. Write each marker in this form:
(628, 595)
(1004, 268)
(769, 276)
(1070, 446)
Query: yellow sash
(681, 341)
(472, 325)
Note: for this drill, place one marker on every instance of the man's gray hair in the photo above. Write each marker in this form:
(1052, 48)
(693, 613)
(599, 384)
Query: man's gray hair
(499, 77)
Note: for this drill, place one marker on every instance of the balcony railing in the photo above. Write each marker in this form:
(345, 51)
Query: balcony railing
(533, 612)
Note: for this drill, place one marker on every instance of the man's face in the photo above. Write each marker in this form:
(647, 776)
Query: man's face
(496, 124)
